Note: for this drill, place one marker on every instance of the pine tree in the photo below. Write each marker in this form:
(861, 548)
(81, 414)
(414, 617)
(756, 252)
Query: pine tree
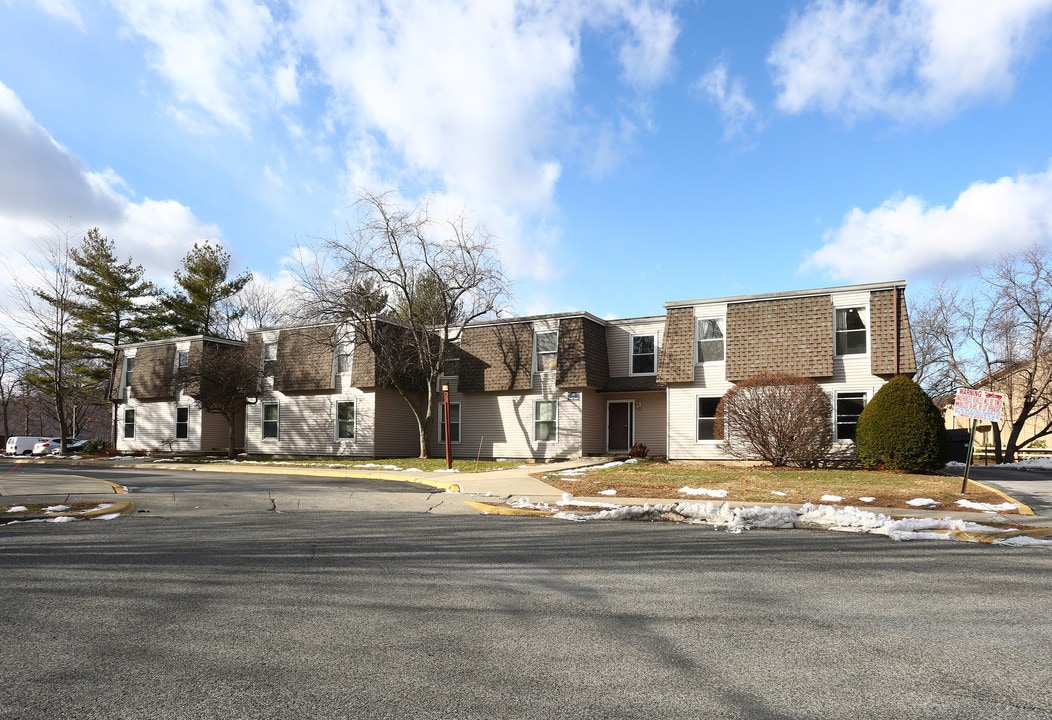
(198, 305)
(115, 305)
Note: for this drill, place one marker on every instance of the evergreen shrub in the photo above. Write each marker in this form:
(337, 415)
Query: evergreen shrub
(901, 429)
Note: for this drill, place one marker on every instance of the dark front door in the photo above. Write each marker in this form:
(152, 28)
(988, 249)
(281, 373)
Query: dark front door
(619, 426)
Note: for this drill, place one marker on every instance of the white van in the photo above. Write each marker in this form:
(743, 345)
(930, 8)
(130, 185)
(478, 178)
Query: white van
(23, 445)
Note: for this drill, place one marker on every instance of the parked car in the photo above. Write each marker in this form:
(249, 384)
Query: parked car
(22, 445)
(72, 445)
(47, 446)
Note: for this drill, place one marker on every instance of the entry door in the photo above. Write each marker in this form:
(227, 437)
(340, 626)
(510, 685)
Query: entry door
(619, 418)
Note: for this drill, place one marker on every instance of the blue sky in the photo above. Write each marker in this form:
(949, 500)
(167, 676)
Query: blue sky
(626, 152)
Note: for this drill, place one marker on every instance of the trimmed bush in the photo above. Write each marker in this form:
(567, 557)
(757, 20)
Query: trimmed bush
(901, 429)
(777, 417)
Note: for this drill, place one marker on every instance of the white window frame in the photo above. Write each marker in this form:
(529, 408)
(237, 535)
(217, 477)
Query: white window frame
(270, 363)
(353, 420)
(182, 359)
(836, 412)
(185, 423)
(537, 353)
(863, 311)
(129, 413)
(698, 417)
(263, 420)
(452, 358)
(129, 371)
(721, 323)
(632, 354)
(344, 358)
(455, 435)
(554, 421)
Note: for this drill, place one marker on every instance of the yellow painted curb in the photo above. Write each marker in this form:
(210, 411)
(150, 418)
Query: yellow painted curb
(491, 509)
(123, 507)
(1023, 508)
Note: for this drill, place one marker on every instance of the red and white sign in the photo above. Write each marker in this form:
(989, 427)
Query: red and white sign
(978, 404)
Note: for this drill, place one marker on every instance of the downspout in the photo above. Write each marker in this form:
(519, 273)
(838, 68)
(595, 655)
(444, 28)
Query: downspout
(895, 316)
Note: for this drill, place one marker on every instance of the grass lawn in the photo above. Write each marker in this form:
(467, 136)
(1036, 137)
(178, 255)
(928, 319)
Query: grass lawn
(650, 479)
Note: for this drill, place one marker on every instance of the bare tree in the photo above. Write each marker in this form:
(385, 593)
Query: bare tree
(259, 304)
(780, 418)
(46, 299)
(221, 378)
(997, 336)
(405, 283)
(12, 363)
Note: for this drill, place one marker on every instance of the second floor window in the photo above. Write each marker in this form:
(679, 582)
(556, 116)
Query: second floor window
(644, 354)
(545, 350)
(129, 368)
(710, 340)
(344, 353)
(850, 331)
(270, 359)
(182, 359)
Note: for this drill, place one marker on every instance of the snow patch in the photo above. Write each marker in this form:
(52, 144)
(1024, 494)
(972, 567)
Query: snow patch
(687, 490)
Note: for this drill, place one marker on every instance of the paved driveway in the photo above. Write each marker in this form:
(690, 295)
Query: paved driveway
(1034, 487)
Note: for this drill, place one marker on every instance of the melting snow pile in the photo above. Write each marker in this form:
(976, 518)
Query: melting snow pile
(736, 519)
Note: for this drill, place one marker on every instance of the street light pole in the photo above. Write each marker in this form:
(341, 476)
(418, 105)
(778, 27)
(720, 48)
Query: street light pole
(445, 422)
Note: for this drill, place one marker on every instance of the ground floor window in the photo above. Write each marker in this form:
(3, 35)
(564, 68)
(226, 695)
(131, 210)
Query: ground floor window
(545, 420)
(129, 423)
(849, 406)
(345, 420)
(270, 420)
(707, 417)
(182, 423)
(454, 423)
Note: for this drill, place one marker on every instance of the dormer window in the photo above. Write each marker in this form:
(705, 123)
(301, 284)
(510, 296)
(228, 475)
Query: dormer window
(270, 359)
(545, 351)
(851, 331)
(710, 340)
(344, 354)
(644, 354)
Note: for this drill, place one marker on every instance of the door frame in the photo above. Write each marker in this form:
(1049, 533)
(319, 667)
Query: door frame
(631, 404)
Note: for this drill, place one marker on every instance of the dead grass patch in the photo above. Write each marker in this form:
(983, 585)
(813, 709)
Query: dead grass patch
(657, 480)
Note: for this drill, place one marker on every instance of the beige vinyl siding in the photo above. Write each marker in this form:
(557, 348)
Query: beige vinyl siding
(649, 419)
(619, 341)
(500, 425)
(593, 422)
(396, 432)
(307, 425)
(213, 430)
(154, 422)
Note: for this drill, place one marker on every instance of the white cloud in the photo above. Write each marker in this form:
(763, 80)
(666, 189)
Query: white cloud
(737, 111)
(905, 237)
(211, 53)
(62, 10)
(470, 97)
(911, 60)
(43, 184)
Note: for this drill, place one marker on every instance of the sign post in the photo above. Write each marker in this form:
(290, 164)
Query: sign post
(977, 405)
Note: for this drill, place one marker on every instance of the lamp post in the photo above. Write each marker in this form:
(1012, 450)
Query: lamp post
(445, 422)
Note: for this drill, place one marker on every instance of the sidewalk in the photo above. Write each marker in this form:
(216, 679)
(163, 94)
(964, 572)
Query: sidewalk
(494, 486)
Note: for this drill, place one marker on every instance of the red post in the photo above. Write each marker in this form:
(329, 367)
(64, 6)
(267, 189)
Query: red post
(449, 443)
